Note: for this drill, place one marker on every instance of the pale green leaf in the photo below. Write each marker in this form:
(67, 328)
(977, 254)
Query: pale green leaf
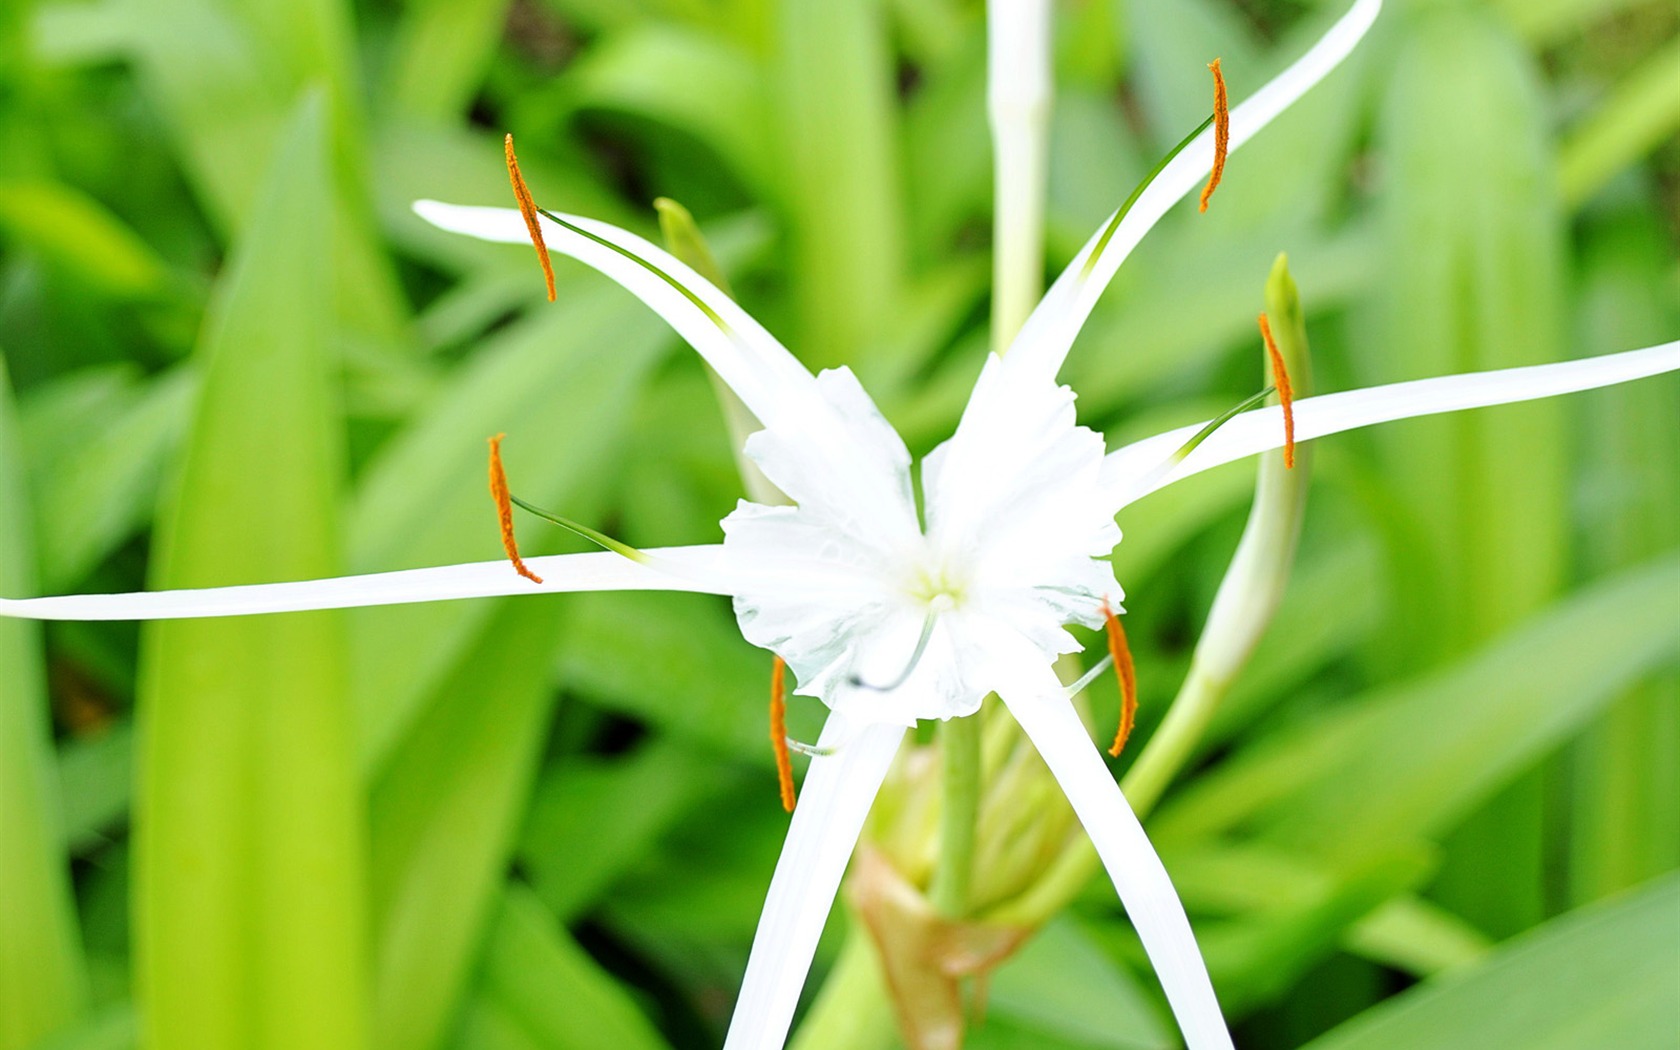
(445, 810)
(1600, 977)
(247, 779)
(833, 88)
(43, 979)
(538, 988)
(1062, 986)
(1412, 760)
(1642, 114)
(77, 233)
(593, 818)
(439, 56)
(560, 385)
(1473, 229)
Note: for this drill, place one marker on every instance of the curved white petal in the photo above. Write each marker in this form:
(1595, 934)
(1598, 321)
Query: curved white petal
(833, 804)
(1016, 510)
(1019, 472)
(1050, 330)
(755, 365)
(845, 464)
(1039, 703)
(1140, 468)
(703, 569)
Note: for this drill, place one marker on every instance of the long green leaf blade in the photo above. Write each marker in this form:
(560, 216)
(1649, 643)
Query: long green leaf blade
(1409, 762)
(249, 868)
(445, 813)
(1601, 977)
(841, 173)
(1625, 773)
(539, 988)
(43, 983)
(1474, 227)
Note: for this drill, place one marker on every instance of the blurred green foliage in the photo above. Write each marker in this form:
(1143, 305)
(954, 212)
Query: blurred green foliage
(233, 354)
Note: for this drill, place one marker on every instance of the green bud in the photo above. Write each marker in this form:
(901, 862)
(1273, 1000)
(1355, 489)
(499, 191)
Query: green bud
(1248, 596)
(684, 240)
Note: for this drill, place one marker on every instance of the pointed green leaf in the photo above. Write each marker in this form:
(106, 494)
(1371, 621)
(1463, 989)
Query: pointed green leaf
(538, 988)
(445, 812)
(224, 78)
(43, 983)
(561, 386)
(1603, 976)
(440, 55)
(1474, 231)
(833, 85)
(78, 234)
(1625, 773)
(1412, 761)
(691, 81)
(249, 862)
(1643, 114)
(100, 491)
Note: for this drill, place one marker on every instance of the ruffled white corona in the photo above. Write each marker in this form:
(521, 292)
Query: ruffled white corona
(1017, 530)
(1019, 515)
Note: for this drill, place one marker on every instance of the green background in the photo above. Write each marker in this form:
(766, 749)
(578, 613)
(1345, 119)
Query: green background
(1441, 809)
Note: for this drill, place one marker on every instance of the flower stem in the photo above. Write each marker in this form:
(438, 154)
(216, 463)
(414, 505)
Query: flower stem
(1018, 108)
(959, 741)
(1018, 98)
(1174, 741)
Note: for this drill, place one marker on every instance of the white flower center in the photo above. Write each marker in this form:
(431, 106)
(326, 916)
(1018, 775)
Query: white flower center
(889, 623)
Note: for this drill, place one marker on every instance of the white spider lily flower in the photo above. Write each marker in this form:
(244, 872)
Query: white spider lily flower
(885, 621)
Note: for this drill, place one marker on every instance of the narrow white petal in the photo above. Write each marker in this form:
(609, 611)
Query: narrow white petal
(703, 569)
(1040, 705)
(1144, 466)
(833, 804)
(748, 358)
(1050, 331)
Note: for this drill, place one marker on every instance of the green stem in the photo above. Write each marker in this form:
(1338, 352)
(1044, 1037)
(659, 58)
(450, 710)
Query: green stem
(1174, 742)
(959, 740)
(851, 1011)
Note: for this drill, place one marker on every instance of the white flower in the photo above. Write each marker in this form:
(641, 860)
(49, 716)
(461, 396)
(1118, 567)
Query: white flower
(886, 621)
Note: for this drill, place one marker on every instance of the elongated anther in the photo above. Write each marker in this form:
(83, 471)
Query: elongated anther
(1221, 133)
(1286, 394)
(778, 731)
(504, 509)
(1126, 671)
(528, 209)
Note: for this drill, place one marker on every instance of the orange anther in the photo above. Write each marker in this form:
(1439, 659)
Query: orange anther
(1127, 673)
(778, 730)
(1221, 133)
(528, 209)
(504, 509)
(1286, 394)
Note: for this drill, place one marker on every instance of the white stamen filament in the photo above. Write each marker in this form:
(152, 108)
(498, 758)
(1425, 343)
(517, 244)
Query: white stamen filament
(1090, 676)
(940, 604)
